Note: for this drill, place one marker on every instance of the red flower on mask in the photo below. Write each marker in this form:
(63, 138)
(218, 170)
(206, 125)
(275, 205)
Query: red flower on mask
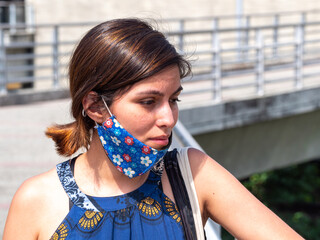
(145, 149)
(108, 123)
(128, 140)
(126, 157)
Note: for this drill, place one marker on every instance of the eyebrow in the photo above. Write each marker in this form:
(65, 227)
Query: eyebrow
(155, 92)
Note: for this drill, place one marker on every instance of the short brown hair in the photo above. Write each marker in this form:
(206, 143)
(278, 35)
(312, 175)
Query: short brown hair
(111, 57)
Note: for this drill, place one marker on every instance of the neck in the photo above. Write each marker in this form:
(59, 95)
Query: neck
(97, 176)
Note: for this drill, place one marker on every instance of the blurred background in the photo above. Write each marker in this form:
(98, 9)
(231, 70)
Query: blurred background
(252, 103)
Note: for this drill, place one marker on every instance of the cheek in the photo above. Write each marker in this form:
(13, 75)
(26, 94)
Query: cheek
(143, 125)
(137, 125)
(175, 113)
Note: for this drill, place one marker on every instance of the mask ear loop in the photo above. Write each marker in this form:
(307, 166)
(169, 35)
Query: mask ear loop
(106, 106)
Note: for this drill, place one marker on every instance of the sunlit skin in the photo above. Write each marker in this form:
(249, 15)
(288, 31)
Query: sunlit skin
(149, 111)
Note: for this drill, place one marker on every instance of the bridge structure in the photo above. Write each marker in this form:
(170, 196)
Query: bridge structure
(252, 103)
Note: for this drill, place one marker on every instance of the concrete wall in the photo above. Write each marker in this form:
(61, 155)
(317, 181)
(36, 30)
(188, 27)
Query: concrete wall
(265, 145)
(262, 6)
(259, 134)
(56, 11)
(99, 10)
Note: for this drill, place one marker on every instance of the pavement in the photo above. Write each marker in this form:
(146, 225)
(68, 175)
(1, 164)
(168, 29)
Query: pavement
(25, 151)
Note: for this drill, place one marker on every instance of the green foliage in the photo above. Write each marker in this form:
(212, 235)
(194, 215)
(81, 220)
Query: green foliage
(293, 193)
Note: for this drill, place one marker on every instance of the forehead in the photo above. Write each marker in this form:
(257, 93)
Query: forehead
(166, 81)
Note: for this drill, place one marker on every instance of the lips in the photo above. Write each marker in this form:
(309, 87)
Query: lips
(160, 140)
(161, 137)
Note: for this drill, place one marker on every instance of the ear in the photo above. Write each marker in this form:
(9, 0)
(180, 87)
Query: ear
(94, 107)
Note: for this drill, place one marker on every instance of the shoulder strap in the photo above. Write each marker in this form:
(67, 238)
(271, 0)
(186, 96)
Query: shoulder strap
(180, 194)
(71, 162)
(70, 186)
(183, 161)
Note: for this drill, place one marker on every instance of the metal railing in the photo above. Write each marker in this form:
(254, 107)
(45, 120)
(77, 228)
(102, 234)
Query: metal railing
(16, 12)
(257, 59)
(264, 54)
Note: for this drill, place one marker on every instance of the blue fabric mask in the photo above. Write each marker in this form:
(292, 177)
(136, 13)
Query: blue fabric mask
(130, 156)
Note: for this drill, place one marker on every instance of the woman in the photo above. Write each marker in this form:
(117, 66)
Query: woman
(124, 84)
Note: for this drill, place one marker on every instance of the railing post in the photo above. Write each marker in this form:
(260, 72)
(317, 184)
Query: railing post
(215, 24)
(239, 35)
(275, 35)
(181, 38)
(3, 75)
(259, 63)
(12, 18)
(56, 56)
(298, 57)
(239, 25)
(216, 67)
(29, 17)
(303, 25)
(247, 37)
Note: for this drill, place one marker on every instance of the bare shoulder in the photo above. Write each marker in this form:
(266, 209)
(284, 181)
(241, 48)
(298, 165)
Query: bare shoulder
(36, 189)
(34, 202)
(216, 187)
(203, 166)
(209, 176)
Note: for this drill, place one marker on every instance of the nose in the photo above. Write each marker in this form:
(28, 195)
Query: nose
(167, 116)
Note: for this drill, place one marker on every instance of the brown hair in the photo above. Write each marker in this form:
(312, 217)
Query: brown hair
(110, 58)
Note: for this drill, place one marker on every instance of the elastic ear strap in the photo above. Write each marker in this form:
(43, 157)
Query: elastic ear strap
(106, 106)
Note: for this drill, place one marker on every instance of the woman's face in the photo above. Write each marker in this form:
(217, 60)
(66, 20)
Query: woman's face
(148, 110)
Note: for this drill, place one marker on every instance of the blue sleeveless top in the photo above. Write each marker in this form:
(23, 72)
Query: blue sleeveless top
(145, 213)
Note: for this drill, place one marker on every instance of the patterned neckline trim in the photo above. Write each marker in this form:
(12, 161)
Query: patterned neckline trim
(99, 204)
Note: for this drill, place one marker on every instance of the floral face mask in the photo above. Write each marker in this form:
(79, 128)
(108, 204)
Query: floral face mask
(130, 156)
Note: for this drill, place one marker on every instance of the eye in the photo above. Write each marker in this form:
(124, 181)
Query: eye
(147, 101)
(175, 100)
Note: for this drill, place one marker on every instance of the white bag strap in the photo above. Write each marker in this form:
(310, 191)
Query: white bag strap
(183, 161)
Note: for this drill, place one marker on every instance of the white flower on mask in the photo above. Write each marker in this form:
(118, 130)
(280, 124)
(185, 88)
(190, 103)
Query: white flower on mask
(116, 140)
(117, 124)
(117, 159)
(129, 172)
(103, 141)
(146, 161)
